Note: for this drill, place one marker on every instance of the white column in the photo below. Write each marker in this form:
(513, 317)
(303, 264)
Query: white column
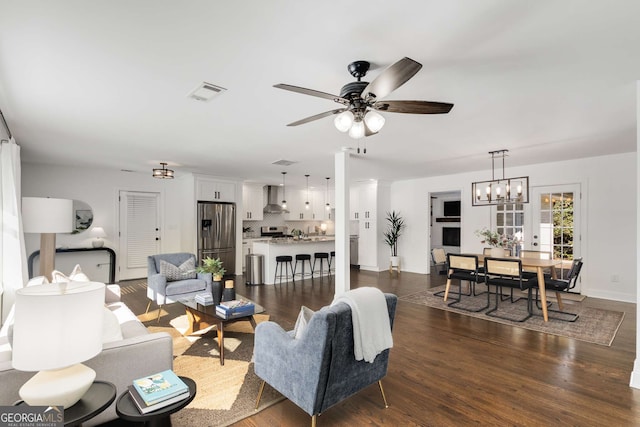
(342, 271)
(635, 374)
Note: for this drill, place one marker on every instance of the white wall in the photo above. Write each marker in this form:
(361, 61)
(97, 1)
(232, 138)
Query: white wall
(99, 188)
(608, 217)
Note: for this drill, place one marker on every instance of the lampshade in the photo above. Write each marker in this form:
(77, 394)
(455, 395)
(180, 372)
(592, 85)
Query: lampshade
(56, 327)
(47, 215)
(343, 121)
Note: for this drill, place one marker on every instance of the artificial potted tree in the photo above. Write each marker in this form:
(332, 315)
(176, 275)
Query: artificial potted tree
(395, 226)
(214, 267)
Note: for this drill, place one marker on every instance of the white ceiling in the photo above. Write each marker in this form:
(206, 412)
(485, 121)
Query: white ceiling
(104, 83)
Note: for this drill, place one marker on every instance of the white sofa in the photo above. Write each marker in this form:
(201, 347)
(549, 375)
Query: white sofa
(137, 354)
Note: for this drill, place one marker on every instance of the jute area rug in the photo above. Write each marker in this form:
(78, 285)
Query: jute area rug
(593, 325)
(225, 394)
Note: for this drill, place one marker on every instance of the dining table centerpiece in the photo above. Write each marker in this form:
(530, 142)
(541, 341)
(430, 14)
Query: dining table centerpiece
(498, 242)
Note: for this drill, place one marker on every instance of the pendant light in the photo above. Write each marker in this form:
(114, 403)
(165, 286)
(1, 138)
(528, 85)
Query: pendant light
(327, 206)
(500, 191)
(284, 199)
(306, 205)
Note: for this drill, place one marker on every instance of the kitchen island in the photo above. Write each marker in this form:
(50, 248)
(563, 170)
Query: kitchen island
(276, 247)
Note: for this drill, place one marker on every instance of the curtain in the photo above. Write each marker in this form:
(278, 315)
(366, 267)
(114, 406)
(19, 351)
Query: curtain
(13, 260)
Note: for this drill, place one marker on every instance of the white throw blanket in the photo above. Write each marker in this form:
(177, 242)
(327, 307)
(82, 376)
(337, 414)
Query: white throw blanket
(371, 327)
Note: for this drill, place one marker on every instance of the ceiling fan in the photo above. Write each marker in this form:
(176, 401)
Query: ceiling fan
(360, 99)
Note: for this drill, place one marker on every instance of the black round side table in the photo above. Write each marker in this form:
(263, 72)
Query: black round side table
(98, 398)
(127, 410)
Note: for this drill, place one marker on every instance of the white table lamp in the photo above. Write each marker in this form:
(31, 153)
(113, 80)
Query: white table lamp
(57, 326)
(99, 234)
(47, 216)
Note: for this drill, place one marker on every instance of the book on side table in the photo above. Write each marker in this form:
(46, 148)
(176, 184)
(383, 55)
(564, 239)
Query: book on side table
(157, 391)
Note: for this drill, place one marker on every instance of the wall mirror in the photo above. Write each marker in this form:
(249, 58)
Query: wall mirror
(82, 216)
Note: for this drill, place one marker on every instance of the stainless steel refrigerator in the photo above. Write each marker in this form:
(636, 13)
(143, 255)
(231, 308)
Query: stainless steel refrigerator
(217, 233)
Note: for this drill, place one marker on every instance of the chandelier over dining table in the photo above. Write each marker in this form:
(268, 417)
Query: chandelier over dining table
(501, 190)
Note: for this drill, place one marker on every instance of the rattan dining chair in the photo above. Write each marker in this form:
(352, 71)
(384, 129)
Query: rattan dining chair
(465, 268)
(507, 273)
(561, 285)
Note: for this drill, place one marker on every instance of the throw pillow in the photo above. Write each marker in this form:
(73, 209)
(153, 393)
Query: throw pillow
(303, 320)
(76, 276)
(186, 270)
(110, 327)
(39, 280)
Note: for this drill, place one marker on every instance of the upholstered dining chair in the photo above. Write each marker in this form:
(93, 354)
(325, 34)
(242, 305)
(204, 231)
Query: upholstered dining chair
(507, 273)
(173, 276)
(560, 285)
(465, 268)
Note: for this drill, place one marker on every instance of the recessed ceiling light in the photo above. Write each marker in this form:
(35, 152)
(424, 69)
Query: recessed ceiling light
(205, 92)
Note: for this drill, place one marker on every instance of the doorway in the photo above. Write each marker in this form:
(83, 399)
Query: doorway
(555, 224)
(139, 219)
(445, 222)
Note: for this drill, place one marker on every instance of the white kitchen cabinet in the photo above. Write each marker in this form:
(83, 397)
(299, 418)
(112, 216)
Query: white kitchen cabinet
(319, 205)
(296, 201)
(215, 191)
(354, 202)
(252, 202)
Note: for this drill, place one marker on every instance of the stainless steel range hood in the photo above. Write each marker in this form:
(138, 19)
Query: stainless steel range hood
(273, 204)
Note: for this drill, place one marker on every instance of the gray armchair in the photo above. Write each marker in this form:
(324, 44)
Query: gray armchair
(162, 291)
(319, 369)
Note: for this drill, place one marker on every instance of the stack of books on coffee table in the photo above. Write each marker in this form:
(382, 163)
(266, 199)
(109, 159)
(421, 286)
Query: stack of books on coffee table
(204, 299)
(157, 391)
(235, 308)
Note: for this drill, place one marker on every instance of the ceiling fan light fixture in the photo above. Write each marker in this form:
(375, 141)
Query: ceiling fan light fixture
(374, 120)
(357, 130)
(344, 121)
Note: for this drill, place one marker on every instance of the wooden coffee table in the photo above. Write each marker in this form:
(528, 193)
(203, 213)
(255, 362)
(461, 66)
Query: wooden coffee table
(203, 316)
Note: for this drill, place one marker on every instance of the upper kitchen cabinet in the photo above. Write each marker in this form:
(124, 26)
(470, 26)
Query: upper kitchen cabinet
(253, 202)
(296, 205)
(213, 190)
(319, 205)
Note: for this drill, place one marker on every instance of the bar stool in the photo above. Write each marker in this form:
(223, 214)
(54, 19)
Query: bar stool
(332, 255)
(302, 258)
(283, 260)
(321, 256)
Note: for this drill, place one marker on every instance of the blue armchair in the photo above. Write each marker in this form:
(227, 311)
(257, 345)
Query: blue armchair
(319, 369)
(162, 291)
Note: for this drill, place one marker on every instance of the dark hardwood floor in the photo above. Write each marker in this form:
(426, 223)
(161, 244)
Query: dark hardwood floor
(448, 369)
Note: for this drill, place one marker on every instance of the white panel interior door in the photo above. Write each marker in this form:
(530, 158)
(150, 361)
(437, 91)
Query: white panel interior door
(555, 228)
(139, 232)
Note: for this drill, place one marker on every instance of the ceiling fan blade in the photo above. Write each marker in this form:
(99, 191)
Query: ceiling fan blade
(391, 78)
(312, 92)
(413, 107)
(316, 117)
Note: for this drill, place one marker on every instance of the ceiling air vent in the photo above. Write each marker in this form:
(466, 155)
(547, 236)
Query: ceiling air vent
(205, 92)
(283, 163)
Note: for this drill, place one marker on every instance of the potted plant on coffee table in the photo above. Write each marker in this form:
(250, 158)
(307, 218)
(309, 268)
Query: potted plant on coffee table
(214, 267)
(395, 226)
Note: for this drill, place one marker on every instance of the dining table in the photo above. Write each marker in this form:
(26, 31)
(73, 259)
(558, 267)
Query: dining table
(539, 265)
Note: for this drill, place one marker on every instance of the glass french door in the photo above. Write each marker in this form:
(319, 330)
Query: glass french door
(555, 220)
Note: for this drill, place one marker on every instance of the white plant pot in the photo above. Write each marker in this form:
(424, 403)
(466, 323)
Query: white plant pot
(497, 252)
(395, 261)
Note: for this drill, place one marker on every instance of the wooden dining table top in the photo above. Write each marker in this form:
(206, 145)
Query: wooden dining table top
(526, 262)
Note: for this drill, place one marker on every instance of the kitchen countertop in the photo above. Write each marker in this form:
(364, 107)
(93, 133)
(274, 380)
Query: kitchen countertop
(300, 241)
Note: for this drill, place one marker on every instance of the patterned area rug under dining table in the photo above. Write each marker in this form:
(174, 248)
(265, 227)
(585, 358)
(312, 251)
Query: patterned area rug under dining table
(594, 325)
